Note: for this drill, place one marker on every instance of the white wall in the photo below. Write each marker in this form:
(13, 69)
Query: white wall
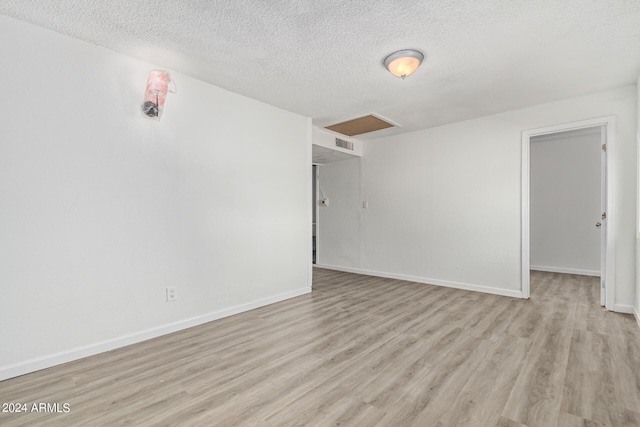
(327, 139)
(339, 230)
(637, 299)
(444, 203)
(101, 209)
(565, 202)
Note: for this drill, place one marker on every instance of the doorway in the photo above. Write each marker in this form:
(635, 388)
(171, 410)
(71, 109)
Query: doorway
(604, 220)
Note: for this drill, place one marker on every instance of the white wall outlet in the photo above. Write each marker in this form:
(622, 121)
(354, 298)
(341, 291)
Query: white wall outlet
(365, 204)
(171, 293)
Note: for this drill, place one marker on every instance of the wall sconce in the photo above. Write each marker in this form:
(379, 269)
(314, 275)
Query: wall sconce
(156, 93)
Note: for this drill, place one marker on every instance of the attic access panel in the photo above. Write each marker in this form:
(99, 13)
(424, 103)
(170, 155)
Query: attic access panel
(360, 125)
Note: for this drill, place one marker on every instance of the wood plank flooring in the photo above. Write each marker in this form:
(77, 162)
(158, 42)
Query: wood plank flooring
(366, 351)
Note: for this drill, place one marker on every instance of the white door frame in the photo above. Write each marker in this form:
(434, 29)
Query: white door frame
(609, 269)
(604, 220)
(316, 203)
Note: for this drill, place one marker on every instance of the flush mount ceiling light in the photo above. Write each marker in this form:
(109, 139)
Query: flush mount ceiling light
(403, 62)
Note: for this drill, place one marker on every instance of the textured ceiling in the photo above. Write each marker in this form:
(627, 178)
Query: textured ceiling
(323, 58)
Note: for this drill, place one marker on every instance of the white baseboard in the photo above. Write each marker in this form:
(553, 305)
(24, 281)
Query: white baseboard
(565, 270)
(445, 283)
(637, 314)
(36, 364)
(623, 308)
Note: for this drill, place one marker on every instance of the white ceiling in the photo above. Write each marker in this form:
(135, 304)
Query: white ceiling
(323, 58)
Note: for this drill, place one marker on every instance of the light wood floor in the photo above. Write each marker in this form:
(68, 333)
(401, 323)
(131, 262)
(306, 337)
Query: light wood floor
(365, 351)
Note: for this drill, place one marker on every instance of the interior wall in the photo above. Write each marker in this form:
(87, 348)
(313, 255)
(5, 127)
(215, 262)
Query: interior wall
(339, 229)
(327, 139)
(445, 202)
(637, 281)
(565, 192)
(101, 209)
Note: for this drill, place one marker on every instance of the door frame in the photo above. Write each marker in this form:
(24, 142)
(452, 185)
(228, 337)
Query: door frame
(315, 204)
(525, 226)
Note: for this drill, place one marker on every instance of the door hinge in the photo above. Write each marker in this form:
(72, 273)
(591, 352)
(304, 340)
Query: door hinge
(604, 147)
(604, 215)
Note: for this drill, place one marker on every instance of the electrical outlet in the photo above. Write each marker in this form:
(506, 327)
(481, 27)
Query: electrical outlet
(171, 293)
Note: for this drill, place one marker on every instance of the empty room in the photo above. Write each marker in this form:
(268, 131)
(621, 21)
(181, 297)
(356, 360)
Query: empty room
(302, 213)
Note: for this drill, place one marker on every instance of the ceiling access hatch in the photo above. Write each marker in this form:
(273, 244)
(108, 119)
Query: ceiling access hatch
(360, 125)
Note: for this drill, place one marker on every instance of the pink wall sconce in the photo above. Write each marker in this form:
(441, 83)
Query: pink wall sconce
(156, 93)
